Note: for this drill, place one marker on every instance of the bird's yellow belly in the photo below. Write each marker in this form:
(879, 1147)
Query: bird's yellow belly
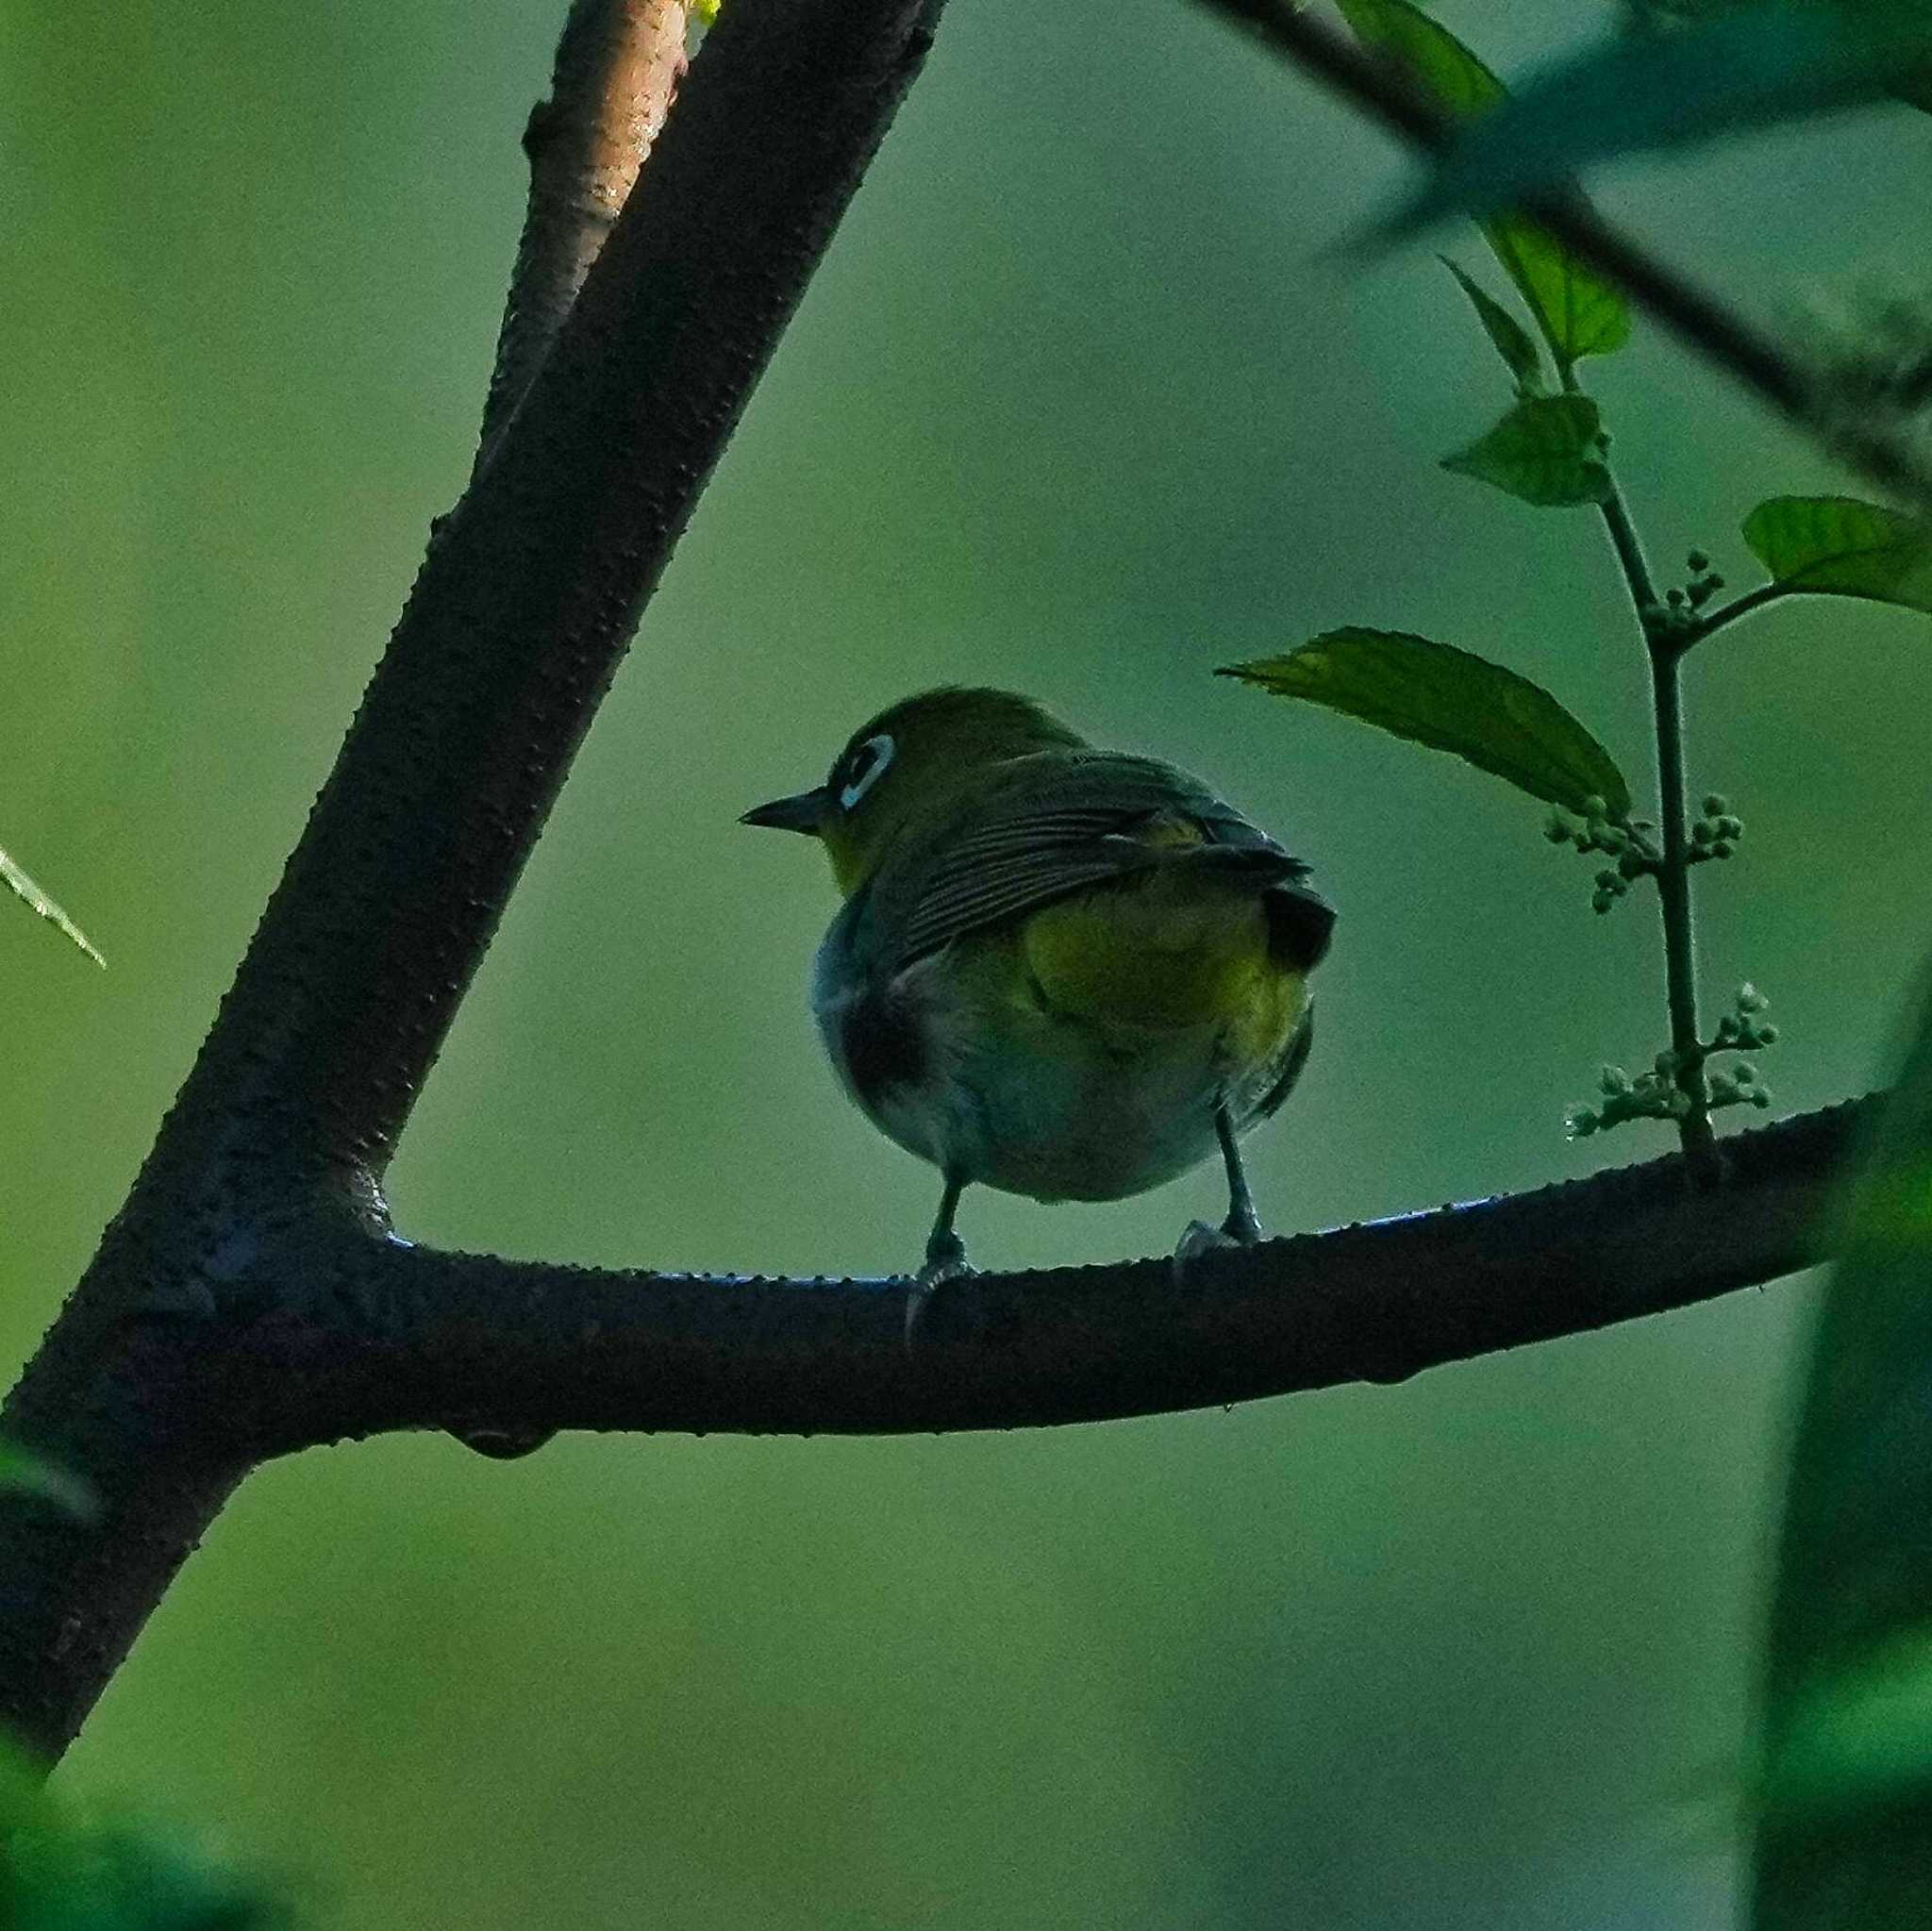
(1082, 1056)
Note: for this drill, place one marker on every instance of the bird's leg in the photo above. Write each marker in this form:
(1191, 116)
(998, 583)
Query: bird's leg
(1243, 1227)
(945, 1257)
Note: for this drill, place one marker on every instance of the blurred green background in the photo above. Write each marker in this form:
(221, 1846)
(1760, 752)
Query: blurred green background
(1073, 406)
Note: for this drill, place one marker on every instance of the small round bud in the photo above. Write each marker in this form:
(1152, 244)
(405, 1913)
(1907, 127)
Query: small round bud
(1767, 1036)
(1703, 832)
(1726, 1030)
(1601, 901)
(1675, 598)
(1730, 827)
(1744, 1075)
(1631, 864)
(1716, 804)
(1750, 999)
(1595, 807)
(1615, 1080)
(1723, 849)
(1581, 1122)
(1714, 582)
(1697, 562)
(1761, 1098)
(1556, 830)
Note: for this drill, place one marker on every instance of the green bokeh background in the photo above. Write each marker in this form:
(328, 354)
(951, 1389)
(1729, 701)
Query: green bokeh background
(1073, 406)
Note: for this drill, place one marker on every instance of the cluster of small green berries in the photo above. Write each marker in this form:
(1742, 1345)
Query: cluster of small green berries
(1662, 1094)
(1678, 614)
(1716, 833)
(1650, 1096)
(1626, 841)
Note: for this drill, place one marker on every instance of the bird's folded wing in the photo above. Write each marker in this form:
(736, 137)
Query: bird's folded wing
(1058, 822)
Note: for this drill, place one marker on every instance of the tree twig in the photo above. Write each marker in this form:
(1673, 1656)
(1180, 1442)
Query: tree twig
(1715, 331)
(618, 65)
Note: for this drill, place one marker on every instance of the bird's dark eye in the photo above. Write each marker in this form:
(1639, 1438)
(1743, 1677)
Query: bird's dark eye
(864, 769)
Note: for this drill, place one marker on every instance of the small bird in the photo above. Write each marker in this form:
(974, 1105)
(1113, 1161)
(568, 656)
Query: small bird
(1059, 971)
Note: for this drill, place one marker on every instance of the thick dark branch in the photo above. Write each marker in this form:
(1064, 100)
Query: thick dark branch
(270, 1161)
(1700, 321)
(618, 64)
(527, 599)
(404, 1338)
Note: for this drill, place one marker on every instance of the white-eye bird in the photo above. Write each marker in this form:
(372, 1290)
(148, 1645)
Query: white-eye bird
(1059, 971)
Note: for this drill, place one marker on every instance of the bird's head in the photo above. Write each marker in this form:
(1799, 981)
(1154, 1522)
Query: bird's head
(907, 767)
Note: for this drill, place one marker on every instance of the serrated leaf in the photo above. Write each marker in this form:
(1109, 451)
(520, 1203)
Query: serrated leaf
(1845, 1723)
(1546, 451)
(24, 887)
(29, 1474)
(1450, 700)
(1771, 63)
(1578, 310)
(1509, 338)
(1839, 546)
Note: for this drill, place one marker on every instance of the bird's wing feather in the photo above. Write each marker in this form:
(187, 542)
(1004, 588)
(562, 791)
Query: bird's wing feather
(1056, 823)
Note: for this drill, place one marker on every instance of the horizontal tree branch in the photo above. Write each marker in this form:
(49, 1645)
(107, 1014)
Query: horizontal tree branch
(388, 1336)
(1712, 328)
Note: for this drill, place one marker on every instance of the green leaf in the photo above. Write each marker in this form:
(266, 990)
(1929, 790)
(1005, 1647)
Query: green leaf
(1513, 341)
(1845, 1723)
(1450, 700)
(24, 887)
(1546, 451)
(1429, 53)
(1578, 311)
(1839, 546)
(1770, 64)
(27, 1474)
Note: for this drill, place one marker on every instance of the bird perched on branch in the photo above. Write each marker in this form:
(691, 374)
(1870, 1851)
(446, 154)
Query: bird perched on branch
(1059, 971)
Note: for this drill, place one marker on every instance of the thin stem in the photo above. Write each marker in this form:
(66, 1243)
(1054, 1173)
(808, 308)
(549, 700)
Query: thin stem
(1673, 889)
(1629, 548)
(1739, 607)
(1666, 649)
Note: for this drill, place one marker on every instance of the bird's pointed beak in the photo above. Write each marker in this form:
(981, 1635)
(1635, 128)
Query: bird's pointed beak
(803, 812)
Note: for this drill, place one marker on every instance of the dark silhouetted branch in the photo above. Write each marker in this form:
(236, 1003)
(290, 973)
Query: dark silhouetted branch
(272, 1153)
(397, 1337)
(1712, 328)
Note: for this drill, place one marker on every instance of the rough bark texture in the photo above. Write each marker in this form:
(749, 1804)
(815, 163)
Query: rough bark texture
(272, 1155)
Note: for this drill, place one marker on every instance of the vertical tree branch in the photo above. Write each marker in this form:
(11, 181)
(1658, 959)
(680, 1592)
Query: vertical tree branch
(272, 1155)
(618, 66)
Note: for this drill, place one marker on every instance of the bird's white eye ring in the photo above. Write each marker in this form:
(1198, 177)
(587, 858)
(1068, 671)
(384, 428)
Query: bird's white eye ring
(864, 769)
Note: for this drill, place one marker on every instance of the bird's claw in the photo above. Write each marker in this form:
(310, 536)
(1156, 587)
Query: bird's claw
(1197, 1237)
(945, 1260)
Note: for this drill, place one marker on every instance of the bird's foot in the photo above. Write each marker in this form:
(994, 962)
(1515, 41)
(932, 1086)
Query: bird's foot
(945, 1260)
(1242, 1228)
